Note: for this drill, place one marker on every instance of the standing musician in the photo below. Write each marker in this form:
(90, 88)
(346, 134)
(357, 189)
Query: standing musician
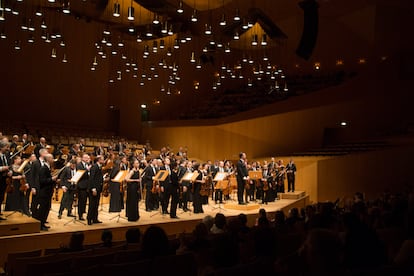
(99, 150)
(15, 197)
(68, 188)
(218, 193)
(133, 191)
(28, 174)
(280, 176)
(197, 204)
(147, 180)
(169, 189)
(95, 185)
(186, 185)
(291, 173)
(4, 170)
(47, 183)
(164, 198)
(116, 202)
(242, 176)
(265, 182)
(82, 185)
(42, 145)
(34, 181)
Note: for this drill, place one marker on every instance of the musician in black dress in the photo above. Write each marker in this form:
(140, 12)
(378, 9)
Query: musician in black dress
(95, 185)
(47, 183)
(16, 198)
(291, 173)
(197, 204)
(280, 176)
(242, 176)
(265, 185)
(116, 202)
(133, 191)
(68, 189)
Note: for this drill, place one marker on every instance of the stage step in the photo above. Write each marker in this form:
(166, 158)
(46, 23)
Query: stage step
(292, 195)
(247, 207)
(17, 224)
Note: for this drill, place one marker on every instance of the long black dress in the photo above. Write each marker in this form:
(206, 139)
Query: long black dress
(132, 211)
(15, 200)
(116, 202)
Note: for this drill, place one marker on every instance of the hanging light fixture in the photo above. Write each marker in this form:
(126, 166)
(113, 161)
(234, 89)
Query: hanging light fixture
(139, 38)
(43, 24)
(264, 40)
(170, 30)
(254, 40)
(169, 52)
(176, 44)
(30, 25)
(64, 59)
(236, 36)
(154, 46)
(66, 6)
(53, 55)
(245, 25)
(117, 9)
(162, 44)
(149, 31)
(146, 50)
(131, 11)
(237, 15)
(38, 11)
(227, 48)
(198, 66)
(3, 35)
(95, 61)
(2, 15)
(47, 40)
(62, 43)
(30, 39)
(131, 28)
(192, 59)
(180, 7)
(223, 20)
(194, 16)
(207, 29)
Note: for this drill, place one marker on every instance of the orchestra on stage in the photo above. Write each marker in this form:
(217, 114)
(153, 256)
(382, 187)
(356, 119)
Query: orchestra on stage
(31, 174)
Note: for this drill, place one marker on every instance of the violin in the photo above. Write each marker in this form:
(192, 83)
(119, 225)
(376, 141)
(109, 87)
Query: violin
(10, 186)
(105, 187)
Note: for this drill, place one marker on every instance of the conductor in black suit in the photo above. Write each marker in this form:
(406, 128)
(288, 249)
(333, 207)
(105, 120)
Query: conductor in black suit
(47, 183)
(83, 185)
(242, 176)
(95, 189)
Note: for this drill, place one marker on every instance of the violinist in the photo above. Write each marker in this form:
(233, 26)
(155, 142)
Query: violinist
(42, 145)
(147, 181)
(4, 170)
(187, 167)
(264, 187)
(133, 190)
(15, 198)
(68, 188)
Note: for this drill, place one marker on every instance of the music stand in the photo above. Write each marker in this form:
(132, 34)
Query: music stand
(120, 178)
(160, 176)
(75, 179)
(221, 183)
(255, 175)
(191, 178)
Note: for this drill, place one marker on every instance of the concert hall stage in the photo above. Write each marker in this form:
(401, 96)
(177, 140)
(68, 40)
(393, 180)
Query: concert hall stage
(21, 233)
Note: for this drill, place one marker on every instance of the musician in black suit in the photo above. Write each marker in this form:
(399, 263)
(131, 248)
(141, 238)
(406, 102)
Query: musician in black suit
(42, 145)
(95, 189)
(4, 170)
(218, 193)
(242, 176)
(148, 176)
(34, 181)
(47, 183)
(291, 173)
(68, 188)
(82, 185)
(99, 150)
(185, 185)
(169, 190)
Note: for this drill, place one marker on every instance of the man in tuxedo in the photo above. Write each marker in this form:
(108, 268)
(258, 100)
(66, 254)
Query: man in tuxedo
(82, 185)
(34, 181)
(169, 189)
(291, 173)
(99, 150)
(4, 170)
(68, 189)
(95, 189)
(149, 172)
(242, 176)
(46, 183)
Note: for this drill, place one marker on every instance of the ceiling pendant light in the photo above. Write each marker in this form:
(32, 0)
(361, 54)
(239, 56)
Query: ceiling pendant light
(223, 20)
(169, 52)
(162, 44)
(156, 19)
(149, 31)
(180, 7)
(154, 46)
(227, 48)
(146, 50)
(30, 25)
(192, 59)
(139, 38)
(131, 28)
(95, 61)
(114, 52)
(207, 29)
(245, 25)
(286, 87)
(237, 15)
(47, 40)
(121, 43)
(219, 44)
(117, 9)
(30, 39)
(3, 35)
(164, 29)
(108, 42)
(198, 66)
(194, 16)
(236, 36)
(170, 30)
(264, 40)
(249, 82)
(265, 57)
(39, 11)
(64, 59)
(106, 31)
(131, 11)
(2, 18)
(254, 40)
(43, 24)
(53, 55)
(176, 44)
(66, 7)
(62, 43)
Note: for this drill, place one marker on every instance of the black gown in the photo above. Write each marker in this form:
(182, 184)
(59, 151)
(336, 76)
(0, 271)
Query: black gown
(116, 202)
(132, 211)
(15, 200)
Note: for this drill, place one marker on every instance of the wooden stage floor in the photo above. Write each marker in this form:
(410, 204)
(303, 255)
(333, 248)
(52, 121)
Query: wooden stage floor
(61, 229)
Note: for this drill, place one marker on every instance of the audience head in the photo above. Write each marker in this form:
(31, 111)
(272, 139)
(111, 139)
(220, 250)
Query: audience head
(76, 241)
(220, 221)
(208, 221)
(106, 237)
(155, 242)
